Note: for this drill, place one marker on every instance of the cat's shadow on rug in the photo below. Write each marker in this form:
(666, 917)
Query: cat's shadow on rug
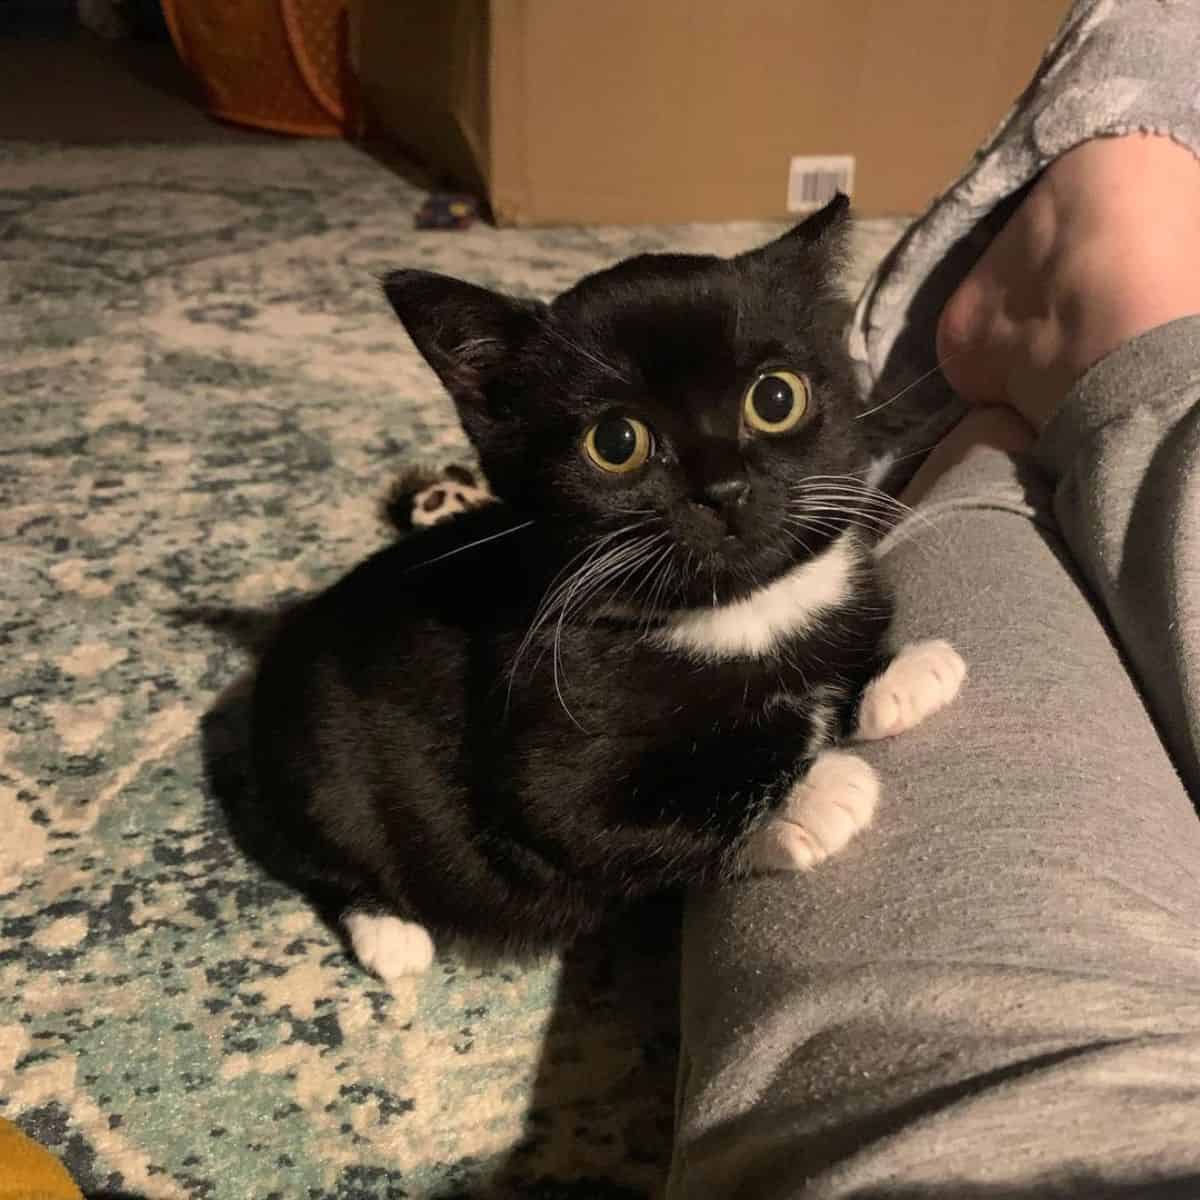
(599, 1122)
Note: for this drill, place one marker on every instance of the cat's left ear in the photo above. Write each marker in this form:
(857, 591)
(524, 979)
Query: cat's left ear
(827, 232)
(464, 332)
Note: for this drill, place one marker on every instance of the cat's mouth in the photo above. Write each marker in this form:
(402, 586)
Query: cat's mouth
(727, 527)
(733, 534)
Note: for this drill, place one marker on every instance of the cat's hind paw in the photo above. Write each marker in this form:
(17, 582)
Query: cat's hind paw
(458, 489)
(835, 799)
(922, 678)
(419, 498)
(388, 946)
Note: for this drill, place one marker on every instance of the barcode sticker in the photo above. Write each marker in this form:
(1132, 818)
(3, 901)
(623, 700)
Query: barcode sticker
(814, 180)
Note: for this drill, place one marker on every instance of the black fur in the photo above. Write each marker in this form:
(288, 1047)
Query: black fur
(412, 761)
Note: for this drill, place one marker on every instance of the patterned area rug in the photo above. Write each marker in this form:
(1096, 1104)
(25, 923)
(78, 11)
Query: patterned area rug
(204, 397)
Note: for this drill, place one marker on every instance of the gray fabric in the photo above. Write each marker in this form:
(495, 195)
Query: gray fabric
(1129, 506)
(996, 991)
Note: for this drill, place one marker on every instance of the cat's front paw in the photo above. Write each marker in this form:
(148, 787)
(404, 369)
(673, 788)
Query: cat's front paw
(835, 799)
(388, 946)
(922, 678)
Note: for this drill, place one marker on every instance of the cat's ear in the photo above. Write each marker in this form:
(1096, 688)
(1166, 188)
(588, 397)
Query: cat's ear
(464, 332)
(831, 223)
(826, 232)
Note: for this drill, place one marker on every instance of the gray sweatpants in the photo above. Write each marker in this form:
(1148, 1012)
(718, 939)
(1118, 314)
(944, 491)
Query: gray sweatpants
(995, 992)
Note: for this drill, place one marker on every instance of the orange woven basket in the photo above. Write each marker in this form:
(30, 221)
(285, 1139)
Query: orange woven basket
(273, 64)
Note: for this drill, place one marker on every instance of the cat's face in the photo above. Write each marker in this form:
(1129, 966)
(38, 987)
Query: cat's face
(690, 419)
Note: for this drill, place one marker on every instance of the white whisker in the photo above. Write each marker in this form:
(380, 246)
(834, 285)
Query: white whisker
(649, 575)
(557, 590)
(851, 502)
(905, 390)
(593, 569)
(585, 353)
(657, 589)
(469, 546)
(612, 565)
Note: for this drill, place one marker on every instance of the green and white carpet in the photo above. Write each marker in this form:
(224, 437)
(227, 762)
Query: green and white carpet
(204, 396)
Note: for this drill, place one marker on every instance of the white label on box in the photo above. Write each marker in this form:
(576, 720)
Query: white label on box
(814, 180)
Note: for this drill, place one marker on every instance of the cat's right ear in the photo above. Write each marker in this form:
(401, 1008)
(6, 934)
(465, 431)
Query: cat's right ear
(464, 332)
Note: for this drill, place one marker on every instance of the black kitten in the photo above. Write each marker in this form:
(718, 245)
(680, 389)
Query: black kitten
(624, 677)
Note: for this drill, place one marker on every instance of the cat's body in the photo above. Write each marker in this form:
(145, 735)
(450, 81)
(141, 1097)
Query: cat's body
(524, 813)
(623, 679)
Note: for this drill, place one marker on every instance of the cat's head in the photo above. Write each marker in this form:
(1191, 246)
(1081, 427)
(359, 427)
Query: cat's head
(701, 406)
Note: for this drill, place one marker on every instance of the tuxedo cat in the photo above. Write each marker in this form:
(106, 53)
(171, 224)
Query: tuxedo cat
(630, 674)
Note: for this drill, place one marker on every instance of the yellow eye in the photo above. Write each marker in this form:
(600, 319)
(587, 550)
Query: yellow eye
(776, 402)
(618, 444)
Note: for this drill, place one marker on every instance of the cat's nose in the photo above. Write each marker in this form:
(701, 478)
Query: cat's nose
(726, 493)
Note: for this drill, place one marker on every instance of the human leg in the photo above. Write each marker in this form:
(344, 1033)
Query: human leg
(1096, 277)
(998, 987)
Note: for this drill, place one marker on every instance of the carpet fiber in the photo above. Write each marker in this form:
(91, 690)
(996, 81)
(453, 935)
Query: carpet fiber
(204, 396)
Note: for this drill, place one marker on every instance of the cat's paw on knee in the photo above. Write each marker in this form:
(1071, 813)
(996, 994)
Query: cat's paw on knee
(921, 679)
(835, 800)
(389, 946)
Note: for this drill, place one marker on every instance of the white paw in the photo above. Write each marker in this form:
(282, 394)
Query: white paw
(921, 679)
(388, 946)
(834, 800)
(459, 490)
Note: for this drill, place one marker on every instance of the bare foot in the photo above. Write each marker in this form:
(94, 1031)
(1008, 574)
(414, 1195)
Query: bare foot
(1105, 246)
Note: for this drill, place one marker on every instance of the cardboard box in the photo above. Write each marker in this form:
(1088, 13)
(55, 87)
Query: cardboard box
(632, 111)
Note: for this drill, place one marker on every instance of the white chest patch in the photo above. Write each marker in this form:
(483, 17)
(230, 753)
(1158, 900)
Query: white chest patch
(753, 627)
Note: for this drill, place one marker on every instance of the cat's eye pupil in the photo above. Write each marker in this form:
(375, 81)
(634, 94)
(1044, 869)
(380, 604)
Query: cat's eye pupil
(616, 440)
(773, 399)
